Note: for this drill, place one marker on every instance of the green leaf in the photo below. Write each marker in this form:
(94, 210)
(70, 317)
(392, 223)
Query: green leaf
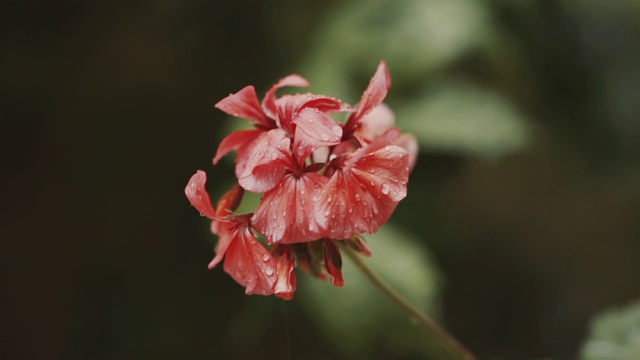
(614, 335)
(358, 315)
(461, 118)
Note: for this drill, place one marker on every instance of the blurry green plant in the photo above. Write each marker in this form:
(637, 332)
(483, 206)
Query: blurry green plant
(614, 335)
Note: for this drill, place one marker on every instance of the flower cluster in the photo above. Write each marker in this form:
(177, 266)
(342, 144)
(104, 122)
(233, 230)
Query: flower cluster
(324, 182)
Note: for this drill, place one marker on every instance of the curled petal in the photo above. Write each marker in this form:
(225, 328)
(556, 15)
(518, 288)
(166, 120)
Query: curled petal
(410, 144)
(245, 104)
(287, 282)
(333, 262)
(235, 141)
(289, 106)
(230, 201)
(249, 263)
(265, 161)
(269, 101)
(373, 95)
(362, 194)
(287, 213)
(198, 195)
(314, 130)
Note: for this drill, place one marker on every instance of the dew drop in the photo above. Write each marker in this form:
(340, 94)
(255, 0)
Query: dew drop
(266, 257)
(274, 156)
(268, 271)
(385, 189)
(201, 214)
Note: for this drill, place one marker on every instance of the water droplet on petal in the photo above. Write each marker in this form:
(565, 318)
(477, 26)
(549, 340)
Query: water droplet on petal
(268, 271)
(385, 189)
(357, 197)
(274, 156)
(266, 257)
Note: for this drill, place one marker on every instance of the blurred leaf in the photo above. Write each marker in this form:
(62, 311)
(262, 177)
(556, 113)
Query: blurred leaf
(615, 335)
(464, 119)
(358, 315)
(415, 37)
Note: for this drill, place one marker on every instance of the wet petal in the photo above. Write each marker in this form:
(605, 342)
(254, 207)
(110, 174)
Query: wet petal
(314, 129)
(245, 104)
(362, 194)
(235, 141)
(249, 263)
(265, 161)
(269, 101)
(287, 213)
(375, 92)
(198, 195)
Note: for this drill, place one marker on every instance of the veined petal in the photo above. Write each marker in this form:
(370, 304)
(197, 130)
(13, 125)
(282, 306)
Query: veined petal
(198, 195)
(249, 263)
(333, 262)
(290, 106)
(287, 282)
(265, 161)
(314, 129)
(245, 104)
(362, 194)
(287, 213)
(269, 101)
(372, 96)
(235, 141)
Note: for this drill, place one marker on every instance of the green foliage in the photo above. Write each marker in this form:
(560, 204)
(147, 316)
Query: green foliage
(359, 312)
(615, 335)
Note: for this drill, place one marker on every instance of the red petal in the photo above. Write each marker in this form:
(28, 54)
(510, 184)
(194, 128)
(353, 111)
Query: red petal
(235, 141)
(333, 262)
(287, 213)
(229, 202)
(287, 281)
(198, 195)
(225, 236)
(269, 101)
(265, 161)
(373, 95)
(249, 263)
(362, 195)
(376, 122)
(314, 130)
(409, 143)
(245, 104)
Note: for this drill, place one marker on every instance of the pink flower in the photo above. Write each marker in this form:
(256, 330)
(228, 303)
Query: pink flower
(324, 183)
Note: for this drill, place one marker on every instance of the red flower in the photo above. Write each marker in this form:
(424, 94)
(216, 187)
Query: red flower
(247, 261)
(324, 183)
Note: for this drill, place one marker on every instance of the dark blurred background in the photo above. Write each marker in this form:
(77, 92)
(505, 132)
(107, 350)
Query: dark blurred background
(524, 207)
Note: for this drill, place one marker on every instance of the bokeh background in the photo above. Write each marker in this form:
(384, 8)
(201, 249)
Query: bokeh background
(522, 222)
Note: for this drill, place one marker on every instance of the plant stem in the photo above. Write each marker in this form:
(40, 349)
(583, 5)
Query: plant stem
(445, 341)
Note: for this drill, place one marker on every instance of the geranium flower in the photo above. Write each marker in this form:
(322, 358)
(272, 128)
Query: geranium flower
(324, 183)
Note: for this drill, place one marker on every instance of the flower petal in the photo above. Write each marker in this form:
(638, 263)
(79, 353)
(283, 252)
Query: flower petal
(410, 143)
(230, 201)
(362, 194)
(314, 130)
(235, 141)
(376, 122)
(287, 282)
(375, 92)
(333, 262)
(265, 161)
(198, 195)
(269, 101)
(245, 104)
(249, 263)
(287, 213)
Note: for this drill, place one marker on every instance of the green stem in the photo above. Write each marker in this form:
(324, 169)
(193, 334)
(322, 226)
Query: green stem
(444, 341)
